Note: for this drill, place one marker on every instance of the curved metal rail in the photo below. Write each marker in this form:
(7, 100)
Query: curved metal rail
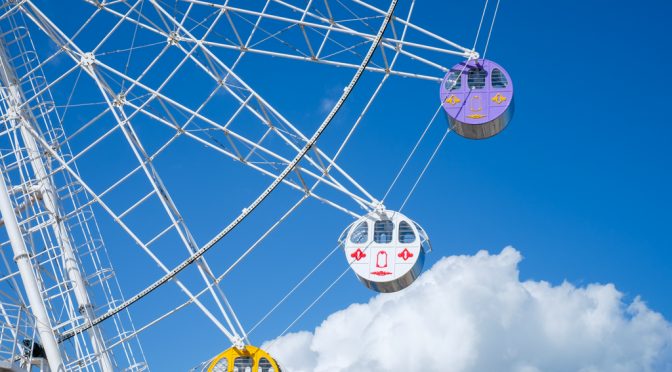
(246, 211)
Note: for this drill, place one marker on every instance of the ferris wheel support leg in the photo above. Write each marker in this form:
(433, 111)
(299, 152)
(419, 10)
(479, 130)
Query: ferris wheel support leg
(30, 284)
(130, 233)
(70, 262)
(15, 97)
(55, 33)
(73, 51)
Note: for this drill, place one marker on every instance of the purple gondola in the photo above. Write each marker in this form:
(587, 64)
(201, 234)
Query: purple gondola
(477, 96)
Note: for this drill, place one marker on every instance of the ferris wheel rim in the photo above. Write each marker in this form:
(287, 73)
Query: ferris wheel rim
(247, 211)
(268, 168)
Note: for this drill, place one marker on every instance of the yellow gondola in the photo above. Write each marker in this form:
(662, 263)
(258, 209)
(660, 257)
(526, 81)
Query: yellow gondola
(249, 359)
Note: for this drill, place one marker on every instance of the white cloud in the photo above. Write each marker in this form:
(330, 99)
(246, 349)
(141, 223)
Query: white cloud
(472, 313)
(326, 104)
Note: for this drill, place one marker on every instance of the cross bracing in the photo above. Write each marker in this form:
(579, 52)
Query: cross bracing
(125, 86)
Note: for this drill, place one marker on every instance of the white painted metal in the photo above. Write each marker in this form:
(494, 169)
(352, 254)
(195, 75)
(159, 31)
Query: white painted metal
(30, 282)
(41, 215)
(144, 246)
(202, 44)
(14, 97)
(139, 98)
(246, 211)
(171, 209)
(88, 62)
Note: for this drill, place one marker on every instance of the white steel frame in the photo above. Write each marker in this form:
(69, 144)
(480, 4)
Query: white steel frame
(136, 99)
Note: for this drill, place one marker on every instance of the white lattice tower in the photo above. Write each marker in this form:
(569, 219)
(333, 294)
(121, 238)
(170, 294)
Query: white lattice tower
(61, 257)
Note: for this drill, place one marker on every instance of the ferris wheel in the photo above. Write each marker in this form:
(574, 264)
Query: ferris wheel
(125, 120)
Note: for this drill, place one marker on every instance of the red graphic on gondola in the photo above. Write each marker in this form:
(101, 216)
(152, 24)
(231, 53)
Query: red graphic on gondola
(405, 254)
(358, 254)
(381, 273)
(381, 259)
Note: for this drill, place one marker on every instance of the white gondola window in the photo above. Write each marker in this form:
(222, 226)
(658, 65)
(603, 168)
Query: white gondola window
(221, 366)
(361, 233)
(498, 79)
(382, 231)
(406, 234)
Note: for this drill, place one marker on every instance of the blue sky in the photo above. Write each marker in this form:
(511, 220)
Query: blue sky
(579, 182)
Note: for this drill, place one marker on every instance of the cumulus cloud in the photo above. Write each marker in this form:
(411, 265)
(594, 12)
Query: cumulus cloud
(472, 313)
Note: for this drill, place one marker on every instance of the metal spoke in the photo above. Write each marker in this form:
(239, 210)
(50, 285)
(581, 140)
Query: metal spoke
(147, 79)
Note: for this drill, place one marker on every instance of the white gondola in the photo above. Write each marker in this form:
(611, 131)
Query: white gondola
(386, 250)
